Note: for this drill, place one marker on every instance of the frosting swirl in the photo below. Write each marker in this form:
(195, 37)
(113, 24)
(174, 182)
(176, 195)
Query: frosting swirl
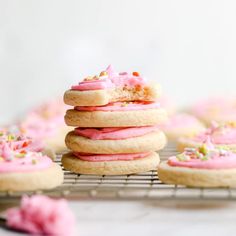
(110, 79)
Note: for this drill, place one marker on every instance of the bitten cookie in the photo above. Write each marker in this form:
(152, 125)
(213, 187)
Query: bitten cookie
(117, 164)
(206, 166)
(128, 114)
(111, 86)
(116, 140)
(27, 171)
(221, 135)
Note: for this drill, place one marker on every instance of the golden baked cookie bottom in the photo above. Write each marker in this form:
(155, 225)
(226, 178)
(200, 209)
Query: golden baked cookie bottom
(194, 177)
(74, 164)
(32, 180)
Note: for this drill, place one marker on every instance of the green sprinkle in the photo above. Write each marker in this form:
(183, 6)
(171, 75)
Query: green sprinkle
(20, 155)
(203, 149)
(198, 154)
(181, 157)
(10, 137)
(205, 158)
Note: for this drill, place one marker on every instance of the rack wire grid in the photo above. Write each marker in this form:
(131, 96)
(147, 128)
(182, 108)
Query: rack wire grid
(143, 186)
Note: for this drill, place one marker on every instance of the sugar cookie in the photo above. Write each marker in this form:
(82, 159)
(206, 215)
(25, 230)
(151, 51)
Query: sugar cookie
(111, 86)
(205, 166)
(142, 163)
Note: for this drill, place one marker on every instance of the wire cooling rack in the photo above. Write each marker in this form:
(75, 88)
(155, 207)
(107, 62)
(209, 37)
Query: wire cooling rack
(136, 187)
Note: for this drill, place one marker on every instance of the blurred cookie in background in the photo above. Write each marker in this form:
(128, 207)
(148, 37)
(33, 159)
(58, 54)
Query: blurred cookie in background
(220, 109)
(182, 125)
(46, 123)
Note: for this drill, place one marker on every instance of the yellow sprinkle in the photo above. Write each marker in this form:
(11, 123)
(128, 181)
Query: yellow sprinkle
(95, 77)
(88, 78)
(20, 155)
(124, 104)
(10, 137)
(34, 161)
(103, 73)
(232, 124)
(1, 159)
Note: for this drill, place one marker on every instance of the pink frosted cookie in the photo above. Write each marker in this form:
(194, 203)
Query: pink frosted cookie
(41, 215)
(111, 86)
(110, 164)
(223, 136)
(23, 170)
(116, 115)
(119, 114)
(113, 151)
(46, 124)
(205, 166)
(18, 141)
(116, 140)
(220, 109)
(182, 124)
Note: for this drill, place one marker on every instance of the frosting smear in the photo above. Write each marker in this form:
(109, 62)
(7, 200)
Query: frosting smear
(121, 106)
(207, 156)
(114, 133)
(110, 157)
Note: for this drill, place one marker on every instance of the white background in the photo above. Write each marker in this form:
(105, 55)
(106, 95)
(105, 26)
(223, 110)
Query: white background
(45, 46)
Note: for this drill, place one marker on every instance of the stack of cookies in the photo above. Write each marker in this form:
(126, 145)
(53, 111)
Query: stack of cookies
(116, 118)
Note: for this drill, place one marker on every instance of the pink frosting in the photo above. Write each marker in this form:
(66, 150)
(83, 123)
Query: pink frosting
(121, 106)
(18, 141)
(21, 160)
(221, 108)
(94, 85)
(217, 162)
(44, 121)
(110, 157)
(114, 133)
(205, 157)
(112, 79)
(181, 120)
(41, 215)
(220, 134)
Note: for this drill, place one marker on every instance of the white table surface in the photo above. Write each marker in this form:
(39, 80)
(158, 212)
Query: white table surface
(120, 218)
